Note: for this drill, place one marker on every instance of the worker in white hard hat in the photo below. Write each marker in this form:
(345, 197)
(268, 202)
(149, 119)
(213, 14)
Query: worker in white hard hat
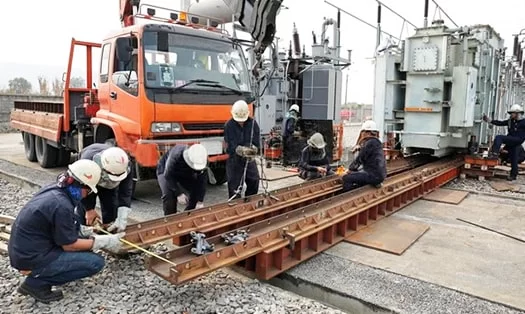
(242, 138)
(314, 161)
(182, 169)
(370, 166)
(115, 188)
(514, 138)
(48, 245)
(291, 131)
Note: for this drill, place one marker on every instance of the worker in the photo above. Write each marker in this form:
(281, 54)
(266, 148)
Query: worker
(183, 167)
(115, 188)
(369, 167)
(291, 131)
(48, 245)
(504, 155)
(514, 138)
(314, 162)
(241, 135)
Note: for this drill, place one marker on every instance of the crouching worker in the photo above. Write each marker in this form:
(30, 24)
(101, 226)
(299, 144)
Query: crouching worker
(115, 188)
(48, 245)
(183, 168)
(314, 162)
(371, 158)
(242, 138)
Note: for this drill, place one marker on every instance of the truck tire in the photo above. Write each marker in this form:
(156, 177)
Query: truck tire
(63, 157)
(46, 154)
(219, 171)
(29, 146)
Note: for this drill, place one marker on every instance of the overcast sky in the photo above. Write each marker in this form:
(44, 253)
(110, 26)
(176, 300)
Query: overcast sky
(39, 32)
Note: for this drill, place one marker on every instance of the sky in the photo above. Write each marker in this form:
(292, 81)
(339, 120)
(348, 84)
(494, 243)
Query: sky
(39, 32)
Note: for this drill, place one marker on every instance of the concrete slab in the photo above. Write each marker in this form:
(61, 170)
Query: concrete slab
(455, 255)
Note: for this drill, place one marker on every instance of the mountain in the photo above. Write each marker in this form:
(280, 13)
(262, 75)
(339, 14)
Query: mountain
(31, 72)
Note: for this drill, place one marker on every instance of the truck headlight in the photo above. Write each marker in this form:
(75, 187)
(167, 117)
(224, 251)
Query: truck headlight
(165, 127)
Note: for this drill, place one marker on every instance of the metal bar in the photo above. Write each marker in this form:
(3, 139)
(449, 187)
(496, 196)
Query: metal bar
(397, 14)
(441, 9)
(492, 230)
(280, 242)
(222, 217)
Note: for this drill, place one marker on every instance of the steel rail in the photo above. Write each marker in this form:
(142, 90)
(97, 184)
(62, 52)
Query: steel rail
(225, 216)
(280, 242)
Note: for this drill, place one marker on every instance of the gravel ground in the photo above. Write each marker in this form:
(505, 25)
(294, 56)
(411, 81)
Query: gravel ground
(474, 185)
(125, 286)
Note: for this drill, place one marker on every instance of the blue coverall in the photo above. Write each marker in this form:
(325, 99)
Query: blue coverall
(372, 158)
(514, 138)
(311, 159)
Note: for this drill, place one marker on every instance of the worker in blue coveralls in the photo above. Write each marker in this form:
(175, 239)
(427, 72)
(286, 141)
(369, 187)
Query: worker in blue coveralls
(369, 167)
(514, 138)
(242, 138)
(291, 131)
(314, 161)
(47, 243)
(183, 168)
(115, 188)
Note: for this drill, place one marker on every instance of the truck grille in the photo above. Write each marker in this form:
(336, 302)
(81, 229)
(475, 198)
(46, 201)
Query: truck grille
(203, 126)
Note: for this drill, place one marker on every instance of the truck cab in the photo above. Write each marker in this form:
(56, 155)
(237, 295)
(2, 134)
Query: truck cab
(169, 84)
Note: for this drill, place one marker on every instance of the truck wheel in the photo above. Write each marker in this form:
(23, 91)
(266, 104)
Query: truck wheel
(63, 157)
(219, 171)
(45, 153)
(29, 146)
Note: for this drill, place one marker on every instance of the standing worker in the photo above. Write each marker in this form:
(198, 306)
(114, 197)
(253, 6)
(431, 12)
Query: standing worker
(291, 127)
(48, 245)
(115, 188)
(242, 138)
(314, 160)
(181, 168)
(514, 138)
(371, 158)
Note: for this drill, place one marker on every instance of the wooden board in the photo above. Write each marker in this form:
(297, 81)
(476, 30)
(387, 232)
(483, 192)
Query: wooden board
(273, 174)
(391, 235)
(446, 196)
(502, 186)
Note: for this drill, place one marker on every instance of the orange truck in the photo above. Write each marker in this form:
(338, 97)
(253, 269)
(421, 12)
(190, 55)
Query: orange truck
(167, 82)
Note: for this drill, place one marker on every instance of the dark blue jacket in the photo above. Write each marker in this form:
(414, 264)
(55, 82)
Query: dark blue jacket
(516, 128)
(44, 224)
(289, 127)
(237, 135)
(178, 174)
(312, 158)
(372, 158)
(124, 191)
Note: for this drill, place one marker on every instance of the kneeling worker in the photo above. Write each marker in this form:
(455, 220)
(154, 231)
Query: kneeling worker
(314, 160)
(48, 245)
(181, 168)
(371, 158)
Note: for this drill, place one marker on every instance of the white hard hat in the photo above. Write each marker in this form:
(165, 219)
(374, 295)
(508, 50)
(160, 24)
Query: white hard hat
(515, 109)
(317, 141)
(196, 156)
(294, 107)
(240, 111)
(369, 125)
(86, 172)
(114, 161)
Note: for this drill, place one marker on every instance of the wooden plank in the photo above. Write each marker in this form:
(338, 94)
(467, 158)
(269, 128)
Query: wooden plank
(4, 236)
(502, 186)
(446, 196)
(391, 235)
(8, 220)
(3, 247)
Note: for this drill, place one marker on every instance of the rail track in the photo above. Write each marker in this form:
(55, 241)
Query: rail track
(222, 217)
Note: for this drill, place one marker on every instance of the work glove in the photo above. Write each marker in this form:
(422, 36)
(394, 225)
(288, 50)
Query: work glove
(246, 152)
(486, 118)
(85, 231)
(182, 199)
(109, 242)
(199, 205)
(122, 219)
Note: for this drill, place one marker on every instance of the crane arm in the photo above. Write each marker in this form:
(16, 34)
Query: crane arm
(126, 11)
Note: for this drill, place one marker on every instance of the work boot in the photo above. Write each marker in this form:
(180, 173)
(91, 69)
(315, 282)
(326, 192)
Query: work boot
(511, 178)
(44, 294)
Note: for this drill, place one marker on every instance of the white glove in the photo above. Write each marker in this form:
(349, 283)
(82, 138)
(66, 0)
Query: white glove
(122, 219)
(109, 242)
(199, 205)
(182, 199)
(85, 231)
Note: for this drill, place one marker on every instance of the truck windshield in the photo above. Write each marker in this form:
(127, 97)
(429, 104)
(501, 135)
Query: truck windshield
(172, 60)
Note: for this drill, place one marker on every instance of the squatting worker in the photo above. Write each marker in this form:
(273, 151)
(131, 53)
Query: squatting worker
(369, 167)
(314, 160)
(514, 138)
(183, 168)
(48, 245)
(241, 135)
(115, 188)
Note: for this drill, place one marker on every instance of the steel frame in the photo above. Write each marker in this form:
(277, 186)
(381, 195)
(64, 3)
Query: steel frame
(281, 242)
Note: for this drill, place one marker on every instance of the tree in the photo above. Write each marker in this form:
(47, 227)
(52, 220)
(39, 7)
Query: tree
(20, 86)
(77, 81)
(57, 87)
(43, 85)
